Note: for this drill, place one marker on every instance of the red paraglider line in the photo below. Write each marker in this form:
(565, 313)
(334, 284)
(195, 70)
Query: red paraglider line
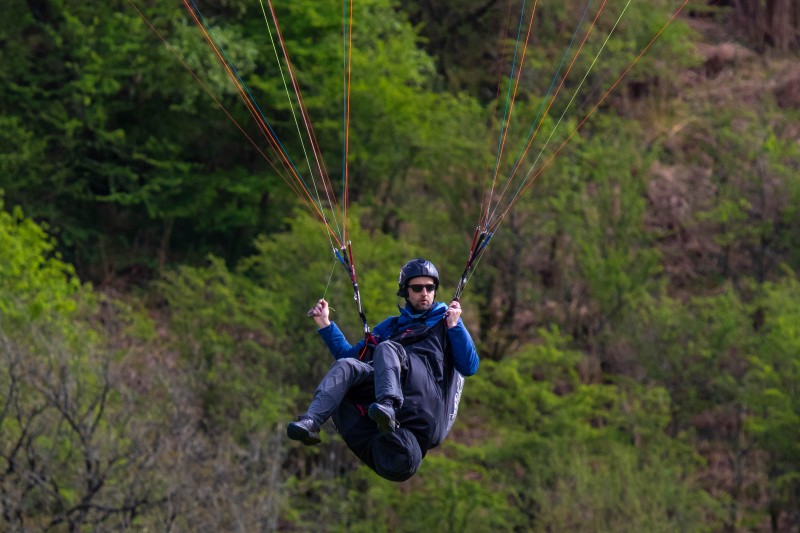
(541, 169)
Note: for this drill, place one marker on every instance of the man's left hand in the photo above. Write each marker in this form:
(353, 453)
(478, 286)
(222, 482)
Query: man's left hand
(453, 314)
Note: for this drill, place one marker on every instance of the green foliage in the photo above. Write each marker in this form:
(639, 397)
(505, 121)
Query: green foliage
(474, 41)
(619, 489)
(239, 329)
(772, 394)
(220, 323)
(66, 449)
(615, 254)
(755, 207)
(638, 25)
(595, 211)
(693, 349)
(588, 456)
(35, 284)
(126, 131)
(297, 267)
(594, 423)
(447, 494)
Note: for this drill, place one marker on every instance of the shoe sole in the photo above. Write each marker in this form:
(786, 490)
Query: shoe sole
(385, 422)
(296, 432)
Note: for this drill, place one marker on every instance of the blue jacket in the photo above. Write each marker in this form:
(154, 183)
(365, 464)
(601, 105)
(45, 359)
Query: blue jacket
(465, 356)
(432, 383)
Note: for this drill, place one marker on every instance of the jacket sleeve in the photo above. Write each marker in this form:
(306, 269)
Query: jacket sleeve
(465, 356)
(341, 348)
(338, 344)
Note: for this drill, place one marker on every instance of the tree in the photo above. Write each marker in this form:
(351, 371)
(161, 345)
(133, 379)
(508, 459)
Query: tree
(68, 445)
(772, 397)
(108, 139)
(770, 23)
(576, 455)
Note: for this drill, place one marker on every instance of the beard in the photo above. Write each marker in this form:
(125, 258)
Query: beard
(421, 307)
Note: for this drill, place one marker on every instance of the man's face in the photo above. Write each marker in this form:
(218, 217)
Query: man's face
(421, 293)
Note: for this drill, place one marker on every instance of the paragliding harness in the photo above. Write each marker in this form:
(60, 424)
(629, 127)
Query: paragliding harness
(414, 334)
(345, 257)
(479, 242)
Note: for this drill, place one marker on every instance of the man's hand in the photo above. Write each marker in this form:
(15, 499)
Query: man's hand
(320, 314)
(453, 313)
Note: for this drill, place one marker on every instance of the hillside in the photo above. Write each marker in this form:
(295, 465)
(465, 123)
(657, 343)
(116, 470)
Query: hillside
(637, 313)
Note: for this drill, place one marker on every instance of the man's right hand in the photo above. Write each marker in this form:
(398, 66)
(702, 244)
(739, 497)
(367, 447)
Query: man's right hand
(320, 313)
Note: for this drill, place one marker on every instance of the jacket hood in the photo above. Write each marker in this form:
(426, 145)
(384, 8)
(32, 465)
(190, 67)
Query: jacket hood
(437, 310)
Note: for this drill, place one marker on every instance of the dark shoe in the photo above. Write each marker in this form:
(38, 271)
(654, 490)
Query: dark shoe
(304, 430)
(383, 415)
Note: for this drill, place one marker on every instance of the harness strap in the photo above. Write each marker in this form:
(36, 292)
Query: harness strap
(369, 340)
(346, 259)
(479, 242)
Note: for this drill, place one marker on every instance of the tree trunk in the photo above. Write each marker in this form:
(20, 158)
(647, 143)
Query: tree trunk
(769, 24)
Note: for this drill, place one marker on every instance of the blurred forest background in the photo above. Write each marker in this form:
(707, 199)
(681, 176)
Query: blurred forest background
(637, 313)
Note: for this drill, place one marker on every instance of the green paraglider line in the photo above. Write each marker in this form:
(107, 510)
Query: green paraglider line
(531, 132)
(491, 220)
(622, 76)
(295, 185)
(552, 101)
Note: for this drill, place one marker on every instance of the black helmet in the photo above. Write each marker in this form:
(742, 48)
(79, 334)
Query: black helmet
(414, 269)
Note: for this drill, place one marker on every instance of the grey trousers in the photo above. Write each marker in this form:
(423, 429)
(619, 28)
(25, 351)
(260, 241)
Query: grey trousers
(389, 362)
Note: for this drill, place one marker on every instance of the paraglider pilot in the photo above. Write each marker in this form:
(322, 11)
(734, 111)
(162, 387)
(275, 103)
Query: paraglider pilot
(391, 410)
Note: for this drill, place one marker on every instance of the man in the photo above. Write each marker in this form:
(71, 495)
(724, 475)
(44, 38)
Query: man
(391, 411)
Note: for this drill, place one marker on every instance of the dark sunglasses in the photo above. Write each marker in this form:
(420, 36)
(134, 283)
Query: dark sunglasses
(430, 287)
